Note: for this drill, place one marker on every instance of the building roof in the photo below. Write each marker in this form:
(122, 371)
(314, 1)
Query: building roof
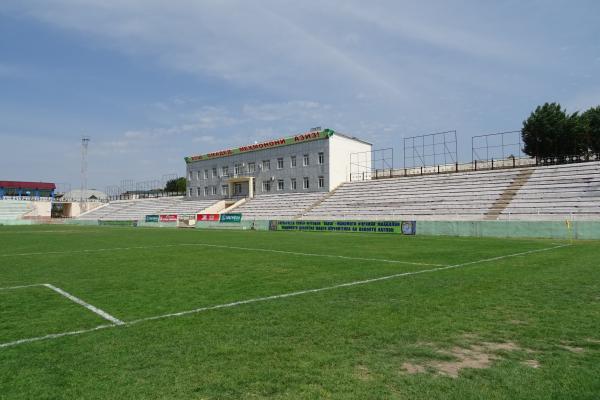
(27, 185)
(352, 138)
(88, 194)
(313, 134)
(269, 144)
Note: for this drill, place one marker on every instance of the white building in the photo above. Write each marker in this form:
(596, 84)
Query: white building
(315, 161)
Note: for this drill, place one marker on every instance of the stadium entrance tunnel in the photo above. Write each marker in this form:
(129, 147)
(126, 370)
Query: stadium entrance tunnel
(241, 186)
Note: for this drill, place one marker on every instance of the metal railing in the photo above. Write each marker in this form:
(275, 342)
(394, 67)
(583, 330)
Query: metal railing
(476, 165)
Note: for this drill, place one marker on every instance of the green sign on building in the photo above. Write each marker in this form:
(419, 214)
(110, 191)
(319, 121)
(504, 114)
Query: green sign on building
(233, 217)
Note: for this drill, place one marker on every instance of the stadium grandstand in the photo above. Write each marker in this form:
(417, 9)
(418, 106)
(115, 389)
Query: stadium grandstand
(308, 177)
(508, 191)
(21, 200)
(18, 190)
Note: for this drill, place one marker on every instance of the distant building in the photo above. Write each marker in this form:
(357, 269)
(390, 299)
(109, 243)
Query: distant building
(88, 195)
(315, 161)
(25, 190)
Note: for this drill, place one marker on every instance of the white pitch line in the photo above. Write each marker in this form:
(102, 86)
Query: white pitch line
(224, 247)
(55, 336)
(312, 254)
(90, 307)
(341, 285)
(21, 287)
(274, 297)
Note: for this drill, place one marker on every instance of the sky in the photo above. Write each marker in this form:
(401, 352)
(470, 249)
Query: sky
(152, 81)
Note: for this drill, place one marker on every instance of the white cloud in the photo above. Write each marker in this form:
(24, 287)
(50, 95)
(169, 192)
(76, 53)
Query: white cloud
(290, 110)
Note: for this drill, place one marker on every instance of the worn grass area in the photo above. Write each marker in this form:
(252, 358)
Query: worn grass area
(519, 327)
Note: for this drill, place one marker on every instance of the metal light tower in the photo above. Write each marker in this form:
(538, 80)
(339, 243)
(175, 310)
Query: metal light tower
(85, 140)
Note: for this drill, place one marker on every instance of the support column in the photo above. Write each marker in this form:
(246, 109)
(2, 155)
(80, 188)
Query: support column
(251, 188)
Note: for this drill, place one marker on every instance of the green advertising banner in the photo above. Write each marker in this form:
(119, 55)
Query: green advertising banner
(398, 227)
(152, 218)
(117, 223)
(233, 217)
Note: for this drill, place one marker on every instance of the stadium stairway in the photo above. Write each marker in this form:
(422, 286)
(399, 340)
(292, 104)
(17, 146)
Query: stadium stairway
(557, 193)
(509, 193)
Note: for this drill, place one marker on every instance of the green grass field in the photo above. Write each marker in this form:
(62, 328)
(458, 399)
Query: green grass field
(451, 318)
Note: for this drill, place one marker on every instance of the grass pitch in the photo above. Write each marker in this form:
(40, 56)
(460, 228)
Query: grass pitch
(236, 315)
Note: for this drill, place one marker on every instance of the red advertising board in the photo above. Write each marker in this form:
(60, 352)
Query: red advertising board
(208, 217)
(168, 218)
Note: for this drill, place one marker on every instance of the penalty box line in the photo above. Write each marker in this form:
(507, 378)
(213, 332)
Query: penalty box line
(267, 298)
(74, 299)
(222, 246)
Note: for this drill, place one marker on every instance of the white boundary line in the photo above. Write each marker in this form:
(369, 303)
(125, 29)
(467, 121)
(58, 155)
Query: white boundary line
(21, 287)
(223, 247)
(90, 307)
(274, 297)
(74, 299)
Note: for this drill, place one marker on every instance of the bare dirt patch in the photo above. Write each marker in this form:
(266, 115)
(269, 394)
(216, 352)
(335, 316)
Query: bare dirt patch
(411, 368)
(517, 322)
(464, 358)
(573, 349)
(476, 356)
(362, 373)
(531, 363)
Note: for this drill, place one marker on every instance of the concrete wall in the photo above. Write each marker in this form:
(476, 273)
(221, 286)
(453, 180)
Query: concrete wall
(515, 229)
(75, 209)
(340, 149)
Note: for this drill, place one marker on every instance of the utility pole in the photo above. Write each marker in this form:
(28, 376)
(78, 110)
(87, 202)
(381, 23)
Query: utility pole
(85, 140)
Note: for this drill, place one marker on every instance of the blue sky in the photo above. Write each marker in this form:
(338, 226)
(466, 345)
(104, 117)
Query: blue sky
(153, 81)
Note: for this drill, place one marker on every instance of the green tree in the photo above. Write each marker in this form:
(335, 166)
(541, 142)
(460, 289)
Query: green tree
(176, 185)
(551, 132)
(590, 127)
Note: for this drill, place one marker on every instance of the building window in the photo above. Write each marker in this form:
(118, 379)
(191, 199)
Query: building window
(214, 172)
(225, 190)
(190, 175)
(280, 184)
(266, 186)
(306, 184)
(251, 167)
(293, 162)
(206, 190)
(293, 181)
(198, 174)
(191, 191)
(237, 188)
(214, 190)
(224, 171)
(237, 169)
(321, 182)
(205, 174)
(280, 163)
(321, 158)
(305, 160)
(266, 165)
(198, 192)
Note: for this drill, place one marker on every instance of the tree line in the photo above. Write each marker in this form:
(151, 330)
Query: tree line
(552, 132)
